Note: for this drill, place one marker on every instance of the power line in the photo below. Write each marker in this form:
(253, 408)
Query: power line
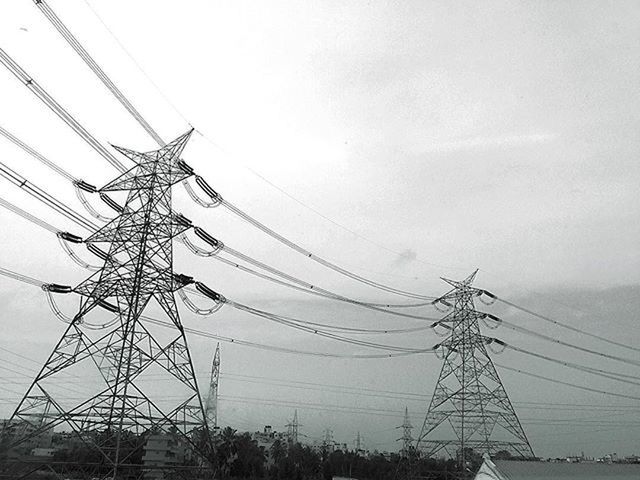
(567, 326)
(73, 42)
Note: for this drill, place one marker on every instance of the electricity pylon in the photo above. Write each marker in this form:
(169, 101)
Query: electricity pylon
(292, 429)
(470, 409)
(133, 374)
(211, 404)
(407, 439)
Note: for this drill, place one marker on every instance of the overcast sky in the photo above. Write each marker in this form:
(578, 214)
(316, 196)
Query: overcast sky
(461, 135)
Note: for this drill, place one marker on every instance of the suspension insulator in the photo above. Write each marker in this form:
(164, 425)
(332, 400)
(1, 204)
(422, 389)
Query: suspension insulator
(108, 306)
(70, 237)
(87, 187)
(207, 189)
(98, 252)
(185, 168)
(183, 279)
(112, 204)
(182, 220)
(202, 288)
(206, 237)
(56, 288)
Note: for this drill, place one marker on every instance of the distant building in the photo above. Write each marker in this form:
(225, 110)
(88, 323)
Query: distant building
(266, 439)
(161, 451)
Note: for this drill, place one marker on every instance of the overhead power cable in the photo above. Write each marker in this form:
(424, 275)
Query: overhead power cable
(567, 326)
(54, 106)
(32, 281)
(557, 341)
(568, 384)
(16, 141)
(91, 63)
(279, 318)
(104, 78)
(619, 377)
(219, 246)
(45, 197)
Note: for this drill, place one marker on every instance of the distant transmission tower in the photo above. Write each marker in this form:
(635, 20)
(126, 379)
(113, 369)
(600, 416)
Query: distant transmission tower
(407, 439)
(292, 429)
(470, 410)
(211, 404)
(137, 375)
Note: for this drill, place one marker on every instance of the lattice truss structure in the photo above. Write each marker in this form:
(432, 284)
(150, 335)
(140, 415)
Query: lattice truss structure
(211, 403)
(138, 369)
(470, 408)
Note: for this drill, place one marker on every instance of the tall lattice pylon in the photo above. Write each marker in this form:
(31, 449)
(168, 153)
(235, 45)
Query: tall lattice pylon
(470, 409)
(132, 374)
(211, 403)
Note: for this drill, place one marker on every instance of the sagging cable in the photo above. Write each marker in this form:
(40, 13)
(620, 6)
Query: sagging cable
(490, 320)
(201, 252)
(442, 301)
(440, 323)
(492, 297)
(491, 342)
(219, 301)
(49, 289)
(215, 196)
(64, 238)
(85, 203)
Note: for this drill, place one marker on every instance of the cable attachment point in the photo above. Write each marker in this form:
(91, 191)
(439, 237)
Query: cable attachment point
(213, 195)
(215, 296)
(439, 323)
(98, 252)
(490, 342)
(111, 203)
(490, 320)
(218, 299)
(182, 165)
(442, 301)
(181, 220)
(492, 297)
(56, 288)
(108, 306)
(87, 187)
(182, 280)
(70, 237)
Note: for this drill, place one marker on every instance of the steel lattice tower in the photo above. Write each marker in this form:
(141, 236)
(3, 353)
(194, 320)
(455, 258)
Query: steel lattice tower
(138, 369)
(407, 439)
(470, 409)
(211, 404)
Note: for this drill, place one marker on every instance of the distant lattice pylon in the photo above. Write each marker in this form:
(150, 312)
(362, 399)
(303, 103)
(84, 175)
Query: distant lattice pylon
(470, 409)
(135, 378)
(292, 429)
(407, 439)
(211, 404)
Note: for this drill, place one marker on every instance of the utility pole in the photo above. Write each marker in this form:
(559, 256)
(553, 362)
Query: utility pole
(211, 404)
(470, 411)
(139, 378)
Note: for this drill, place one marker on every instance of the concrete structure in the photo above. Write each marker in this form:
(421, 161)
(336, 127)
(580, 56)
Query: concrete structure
(161, 451)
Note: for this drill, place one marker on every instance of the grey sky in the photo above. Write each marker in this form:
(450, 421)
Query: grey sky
(498, 135)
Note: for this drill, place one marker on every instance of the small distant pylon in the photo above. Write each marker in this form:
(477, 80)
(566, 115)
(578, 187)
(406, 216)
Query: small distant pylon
(328, 438)
(211, 405)
(470, 412)
(358, 444)
(292, 429)
(407, 439)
